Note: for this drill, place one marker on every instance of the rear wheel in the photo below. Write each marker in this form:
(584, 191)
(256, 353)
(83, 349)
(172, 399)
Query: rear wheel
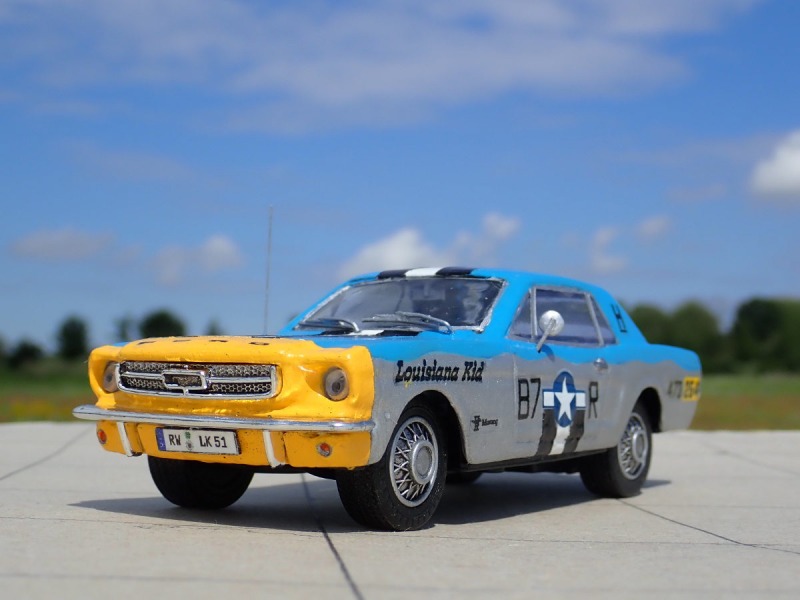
(402, 490)
(620, 472)
(193, 484)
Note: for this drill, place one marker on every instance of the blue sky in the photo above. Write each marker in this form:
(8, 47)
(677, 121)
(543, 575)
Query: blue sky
(650, 147)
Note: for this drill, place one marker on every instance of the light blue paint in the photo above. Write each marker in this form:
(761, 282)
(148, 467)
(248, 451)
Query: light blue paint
(493, 341)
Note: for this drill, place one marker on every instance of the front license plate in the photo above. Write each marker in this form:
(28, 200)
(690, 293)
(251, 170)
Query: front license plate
(199, 441)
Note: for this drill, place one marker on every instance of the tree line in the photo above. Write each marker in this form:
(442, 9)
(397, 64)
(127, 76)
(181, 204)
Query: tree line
(764, 337)
(72, 337)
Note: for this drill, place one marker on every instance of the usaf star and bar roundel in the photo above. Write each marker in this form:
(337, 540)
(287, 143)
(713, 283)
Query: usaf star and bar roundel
(563, 416)
(564, 399)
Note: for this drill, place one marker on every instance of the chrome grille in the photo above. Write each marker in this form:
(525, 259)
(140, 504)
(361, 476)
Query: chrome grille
(198, 380)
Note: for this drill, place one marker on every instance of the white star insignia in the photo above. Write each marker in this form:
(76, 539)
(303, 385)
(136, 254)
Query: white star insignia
(565, 400)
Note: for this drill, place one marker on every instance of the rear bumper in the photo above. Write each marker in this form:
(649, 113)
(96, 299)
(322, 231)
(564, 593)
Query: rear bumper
(271, 442)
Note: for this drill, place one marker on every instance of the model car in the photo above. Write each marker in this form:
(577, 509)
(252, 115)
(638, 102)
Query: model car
(396, 383)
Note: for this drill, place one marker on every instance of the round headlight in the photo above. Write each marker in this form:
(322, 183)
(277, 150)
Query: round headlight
(110, 378)
(336, 385)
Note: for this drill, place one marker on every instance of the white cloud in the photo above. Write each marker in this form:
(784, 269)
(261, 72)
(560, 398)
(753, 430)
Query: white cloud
(708, 169)
(174, 264)
(779, 175)
(704, 153)
(308, 64)
(600, 258)
(604, 260)
(170, 265)
(480, 248)
(403, 249)
(498, 227)
(219, 253)
(653, 228)
(65, 244)
(131, 165)
(407, 248)
(636, 17)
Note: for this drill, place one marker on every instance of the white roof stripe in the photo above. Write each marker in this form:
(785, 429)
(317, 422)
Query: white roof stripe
(426, 272)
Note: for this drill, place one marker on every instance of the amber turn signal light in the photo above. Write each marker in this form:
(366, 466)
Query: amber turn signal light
(324, 449)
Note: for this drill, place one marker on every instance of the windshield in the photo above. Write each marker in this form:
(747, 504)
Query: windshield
(453, 301)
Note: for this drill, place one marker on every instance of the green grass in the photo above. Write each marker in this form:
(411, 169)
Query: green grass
(47, 391)
(50, 390)
(749, 402)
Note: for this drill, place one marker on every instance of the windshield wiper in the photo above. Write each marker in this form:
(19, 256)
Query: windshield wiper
(329, 324)
(412, 321)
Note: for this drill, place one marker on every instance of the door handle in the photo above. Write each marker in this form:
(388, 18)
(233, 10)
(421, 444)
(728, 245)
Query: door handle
(600, 364)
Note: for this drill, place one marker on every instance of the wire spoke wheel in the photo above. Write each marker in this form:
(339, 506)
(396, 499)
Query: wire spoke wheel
(633, 448)
(620, 471)
(401, 491)
(415, 458)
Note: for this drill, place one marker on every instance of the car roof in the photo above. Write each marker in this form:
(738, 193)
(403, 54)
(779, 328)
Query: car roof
(517, 285)
(516, 277)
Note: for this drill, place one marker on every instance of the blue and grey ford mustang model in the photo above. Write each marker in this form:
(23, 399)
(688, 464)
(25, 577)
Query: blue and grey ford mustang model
(396, 383)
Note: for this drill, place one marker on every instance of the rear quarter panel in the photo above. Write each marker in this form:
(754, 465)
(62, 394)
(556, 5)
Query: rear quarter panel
(674, 374)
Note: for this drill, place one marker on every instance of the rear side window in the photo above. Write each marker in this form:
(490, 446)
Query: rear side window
(606, 333)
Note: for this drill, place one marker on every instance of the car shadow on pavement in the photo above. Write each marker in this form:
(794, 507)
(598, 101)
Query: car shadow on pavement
(307, 506)
(497, 496)
(282, 506)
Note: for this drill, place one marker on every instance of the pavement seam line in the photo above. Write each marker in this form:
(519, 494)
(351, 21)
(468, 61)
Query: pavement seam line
(706, 531)
(153, 578)
(321, 526)
(44, 459)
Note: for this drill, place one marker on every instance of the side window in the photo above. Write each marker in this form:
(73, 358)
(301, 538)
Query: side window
(606, 333)
(521, 326)
(579, 323)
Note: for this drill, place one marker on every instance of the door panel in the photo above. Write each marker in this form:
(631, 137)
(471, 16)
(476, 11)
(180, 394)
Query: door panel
(566, 394)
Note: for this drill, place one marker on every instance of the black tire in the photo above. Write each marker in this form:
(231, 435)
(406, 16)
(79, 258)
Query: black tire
(463, 477)
(193, 484)
(402, 490)
(620, 472)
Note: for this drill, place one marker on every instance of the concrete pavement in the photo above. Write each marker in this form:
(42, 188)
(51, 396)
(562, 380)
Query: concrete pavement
(719, 518)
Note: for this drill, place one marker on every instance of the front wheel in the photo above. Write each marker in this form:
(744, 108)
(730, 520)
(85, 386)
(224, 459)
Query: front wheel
(402, 490)
(620, 472)
(193, 484)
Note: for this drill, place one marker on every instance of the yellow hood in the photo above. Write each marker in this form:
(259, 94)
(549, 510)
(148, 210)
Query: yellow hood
(246, 349)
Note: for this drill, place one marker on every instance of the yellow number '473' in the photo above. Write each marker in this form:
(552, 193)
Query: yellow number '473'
(691, 389)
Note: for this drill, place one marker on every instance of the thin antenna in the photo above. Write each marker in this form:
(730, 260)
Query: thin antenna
(269, 266)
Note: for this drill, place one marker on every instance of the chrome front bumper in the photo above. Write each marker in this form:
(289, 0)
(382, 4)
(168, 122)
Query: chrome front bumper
(90, 412)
